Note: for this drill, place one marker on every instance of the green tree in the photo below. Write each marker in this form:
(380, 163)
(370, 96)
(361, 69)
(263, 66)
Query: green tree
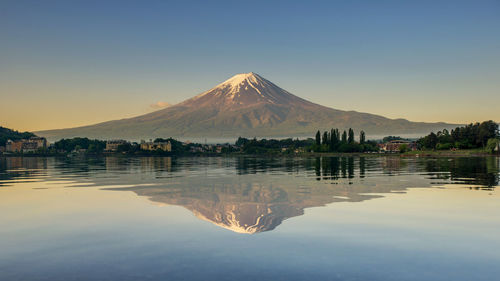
(432, 140)
(362, 137)
(487, 130)
(241, 141)
(350, 138)
(391, 138)
(334, 139)
(318, 138)
(325, 138)
(403, 148)
(492, 145)
(344, 137)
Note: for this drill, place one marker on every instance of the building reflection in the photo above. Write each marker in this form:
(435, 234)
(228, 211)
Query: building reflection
(20, 168)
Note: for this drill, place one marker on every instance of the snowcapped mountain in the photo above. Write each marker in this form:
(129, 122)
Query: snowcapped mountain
(245, 105)
(243, 91)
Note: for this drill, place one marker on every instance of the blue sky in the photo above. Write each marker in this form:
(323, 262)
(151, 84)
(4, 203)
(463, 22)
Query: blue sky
(80, 62)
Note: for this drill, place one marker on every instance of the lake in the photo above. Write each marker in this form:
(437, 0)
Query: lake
(248, 218)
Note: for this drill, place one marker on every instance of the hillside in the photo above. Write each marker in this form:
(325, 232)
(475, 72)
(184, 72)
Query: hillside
(9, 134)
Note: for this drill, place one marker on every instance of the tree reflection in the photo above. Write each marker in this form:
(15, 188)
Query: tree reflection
(251, 194)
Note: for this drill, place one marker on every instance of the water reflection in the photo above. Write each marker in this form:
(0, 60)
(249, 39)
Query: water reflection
(252, 195)
(474, 171)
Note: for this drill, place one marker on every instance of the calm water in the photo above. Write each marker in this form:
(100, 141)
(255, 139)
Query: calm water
(249, 219)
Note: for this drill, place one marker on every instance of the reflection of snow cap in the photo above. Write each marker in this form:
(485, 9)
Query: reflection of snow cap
(232, 223)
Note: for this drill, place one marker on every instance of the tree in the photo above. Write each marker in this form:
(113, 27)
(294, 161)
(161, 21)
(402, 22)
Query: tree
(344, 137)
(362, 137)
(80, 143)
(241, 141)
(474, 135)
(350, 138)
(334, 139)
(125, 147)
(325, 138)
(432, 140)
(486, 131)
(391, 138)
(318, 138)
(403, 148)
(492, 145)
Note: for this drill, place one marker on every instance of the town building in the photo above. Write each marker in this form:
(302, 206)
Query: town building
(395, 145)
(13, 146)
(152, 146)
(112, 145)
(26, 145)
(218, 149)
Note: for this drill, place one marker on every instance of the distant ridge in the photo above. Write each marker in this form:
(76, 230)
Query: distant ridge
(245, 105)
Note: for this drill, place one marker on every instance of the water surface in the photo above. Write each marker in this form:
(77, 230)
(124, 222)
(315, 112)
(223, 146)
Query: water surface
(330, 218)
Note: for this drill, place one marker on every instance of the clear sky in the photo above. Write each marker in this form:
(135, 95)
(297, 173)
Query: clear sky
(69, 63)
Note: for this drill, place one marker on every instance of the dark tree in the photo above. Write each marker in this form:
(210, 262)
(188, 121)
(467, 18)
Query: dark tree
(391, 138)
(333, 139)
(325, 138)
(362, 137)
(344, 137)
(432, 140)
(318, 138)
(350, 138)
(470, 136)
(241, 141)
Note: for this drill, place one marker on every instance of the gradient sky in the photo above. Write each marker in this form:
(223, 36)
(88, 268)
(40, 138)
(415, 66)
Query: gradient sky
(71, 63)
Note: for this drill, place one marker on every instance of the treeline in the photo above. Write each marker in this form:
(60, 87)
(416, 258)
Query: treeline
(94, 146)
(334, 141)
(254, 146)
(477, 135)
(90, 146)
(76, 144)
(9, 134)
(393, 138)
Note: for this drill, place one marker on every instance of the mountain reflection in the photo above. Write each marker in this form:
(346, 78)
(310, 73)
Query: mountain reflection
(242, 208)
(252, 195)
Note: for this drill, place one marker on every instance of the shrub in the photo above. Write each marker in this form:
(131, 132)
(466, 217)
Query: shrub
(444, 146)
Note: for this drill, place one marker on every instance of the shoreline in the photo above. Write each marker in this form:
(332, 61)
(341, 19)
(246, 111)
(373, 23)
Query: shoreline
(460, 153)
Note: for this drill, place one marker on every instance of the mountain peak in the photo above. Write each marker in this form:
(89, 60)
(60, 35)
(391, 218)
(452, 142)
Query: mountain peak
(250, 77)
(243, 90)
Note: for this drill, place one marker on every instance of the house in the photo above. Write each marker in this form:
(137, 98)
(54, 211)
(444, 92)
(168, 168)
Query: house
(26, 145)
(195, 149)
(152, 146)
(395, 145)
(112, 145)
(13, 146)
(40, 142)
